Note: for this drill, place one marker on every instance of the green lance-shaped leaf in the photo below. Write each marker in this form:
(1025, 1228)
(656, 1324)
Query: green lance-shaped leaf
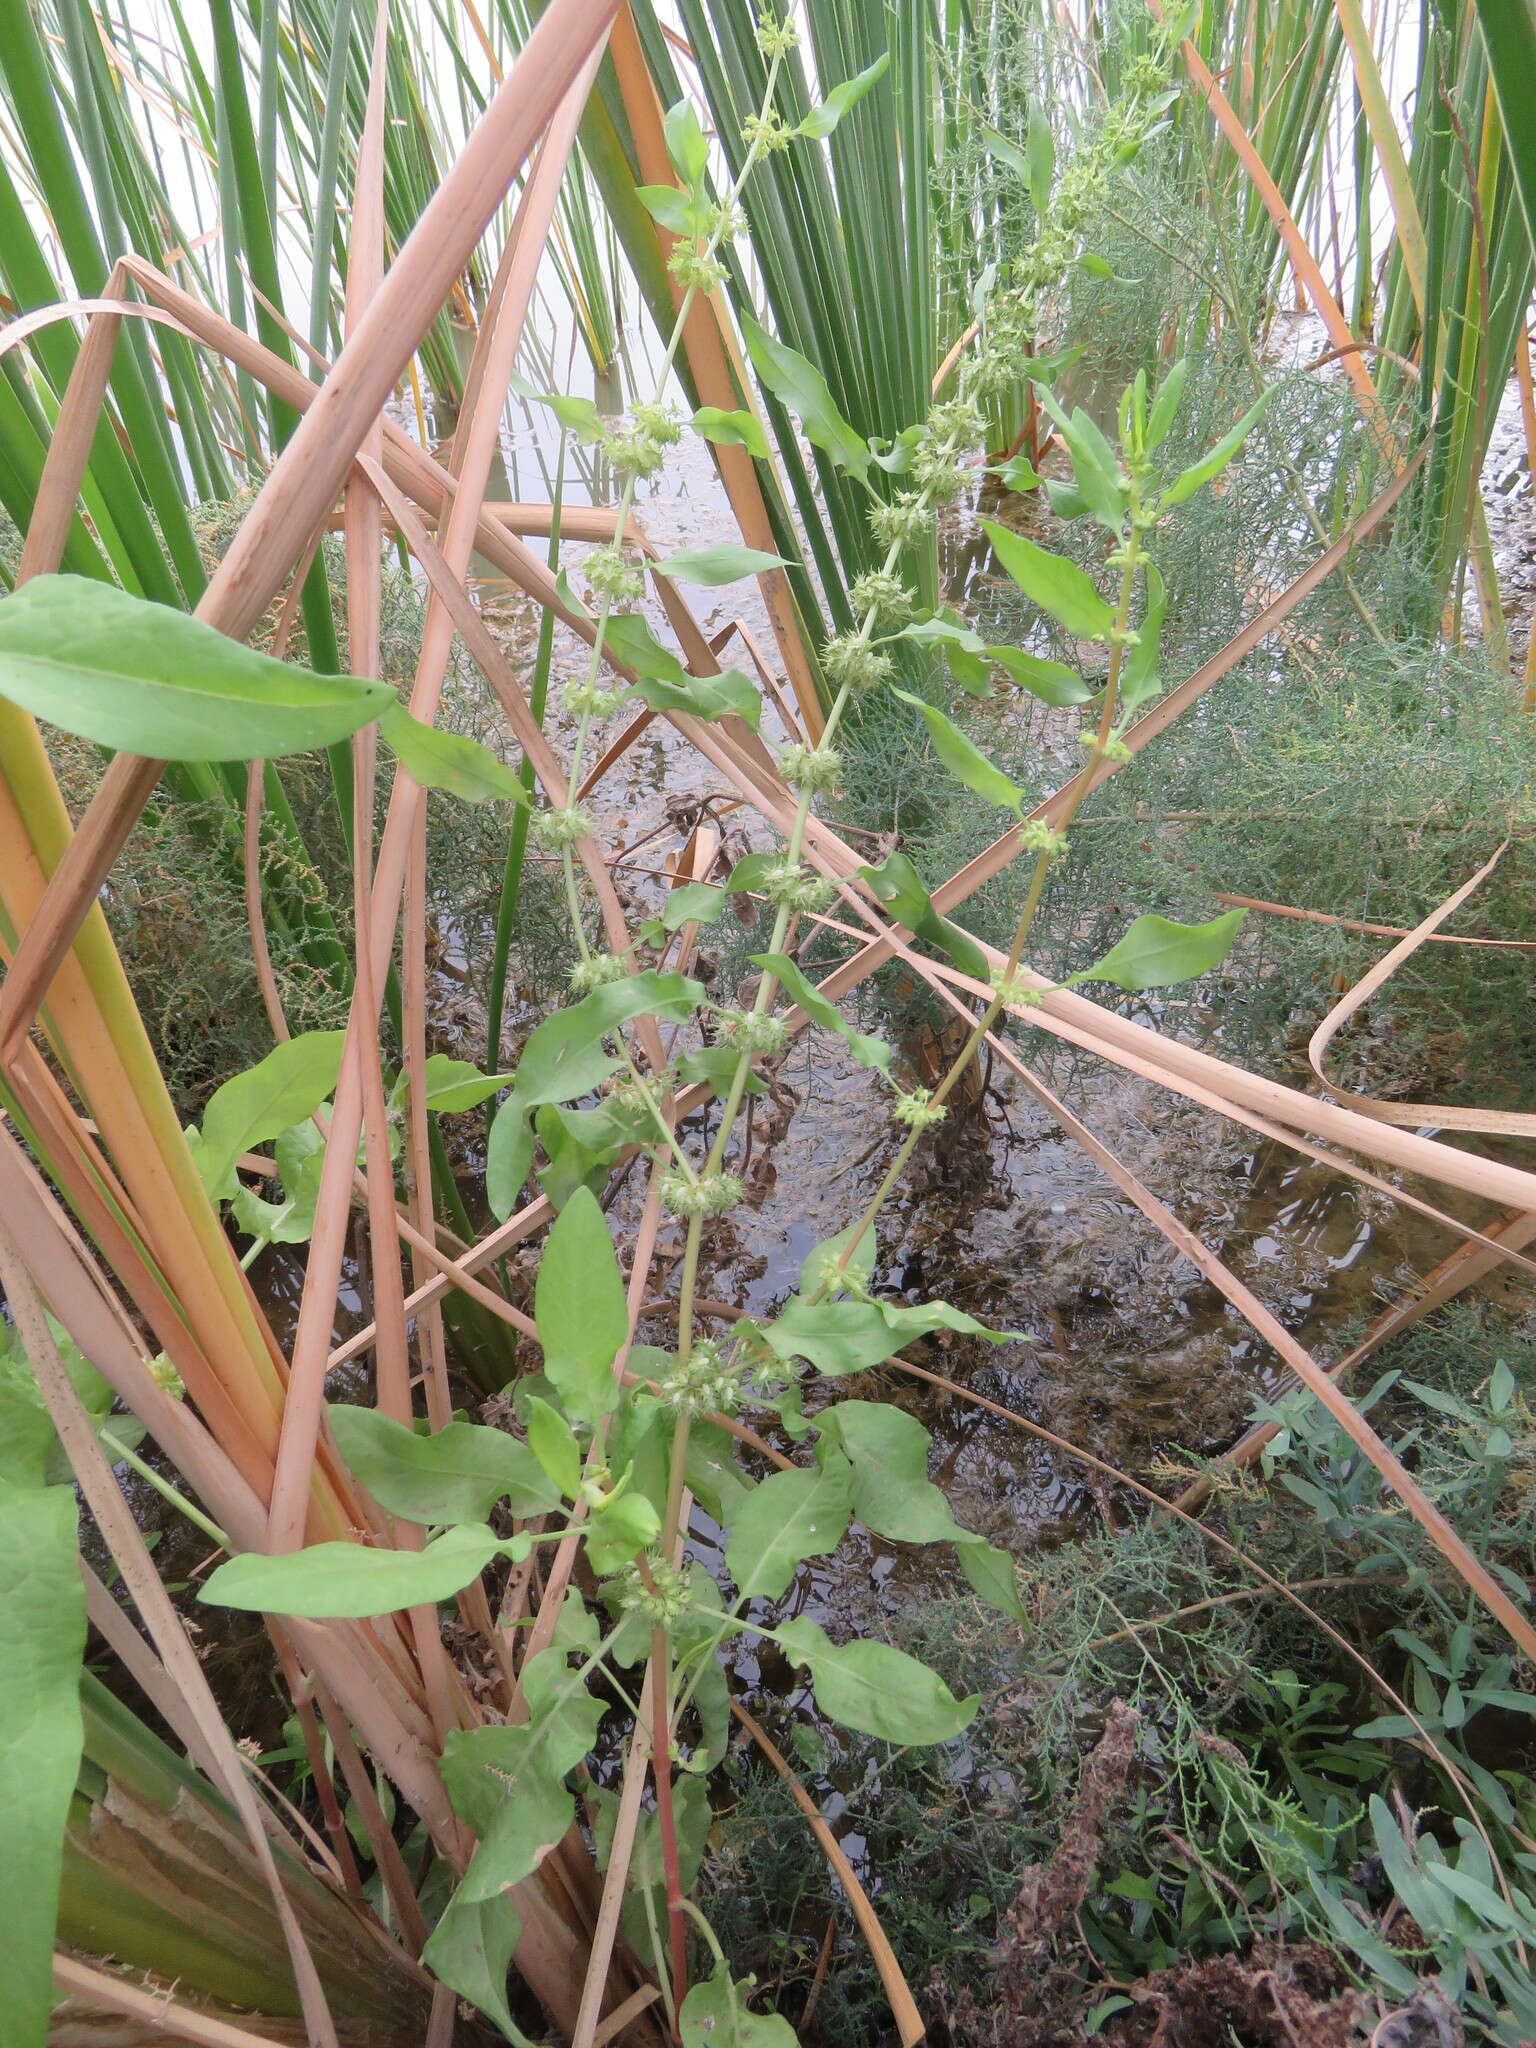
(687, 144)
(456, 1475)
(749, 871)
(1040, 160)
(800, 386)
(726, 562)
(971, 659)
(789, 1517)
(149, 680)
(1005, 151)
(1057, 586)
(1165, 407)
(837, 1337)
(901, 889)
(680, 213)
(667, 686)
(42, 1640)
(580, 1310)
(300, 1155)
(892, 1493)
(896, 456)
(579, 416)
(992, 1576)
(349, 1581)
(449, 760)
(839, 1262)
(869, 1052)
(964, 759)
(1209, 466)
(553, 1443)
(289, 1084)
(1018, 473)
(715, 2015)
(727, 695)
(1051, 681)
(1138, 677)
(508, 1157)
(876, 1690)
(1387, 1968)
(454, 1085)
(471, 1950)
(1402, 1867)
(732, 430)
(716, 1065)
(713, 1474)
(840, 1337)
(564, 1056)
(964, 650)
(627, 1523)
(508, 1783)
(1155, 951)
(693, 902)
(581, 1144)
(820, 121)
(1094, 462)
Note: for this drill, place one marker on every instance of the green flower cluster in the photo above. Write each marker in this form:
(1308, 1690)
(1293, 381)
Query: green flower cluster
(850, 664)
(775, 38)
(917, 1109)
(591, 700)
(1015, 993)
(562, 827)
(166, 1377)
(900, 524)
(789, 885)
(695, 269)
(613, 575)
(766, 133)
(1014, 319)
(641, 448)
(1113, 749)
(712, 1194)
(704, 1383)
(633, 1092)
(817, 769)
(891, 600)
(756, 1033)
(951, 429)
(1035, 836)
(665, 1601)
(596, 970)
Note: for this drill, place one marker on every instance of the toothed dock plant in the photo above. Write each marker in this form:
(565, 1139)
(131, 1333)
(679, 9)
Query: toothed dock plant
(620, 1437)
(564, 1537)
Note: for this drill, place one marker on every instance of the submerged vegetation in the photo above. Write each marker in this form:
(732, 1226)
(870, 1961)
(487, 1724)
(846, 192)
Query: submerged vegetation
(630, 632)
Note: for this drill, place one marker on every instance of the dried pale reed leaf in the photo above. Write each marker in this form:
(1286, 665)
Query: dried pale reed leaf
(909, 2021)
(150, 2014)
(1413, 1115)
(1303, 262)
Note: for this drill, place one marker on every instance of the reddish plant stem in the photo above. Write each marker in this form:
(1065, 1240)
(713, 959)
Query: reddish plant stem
(666, 1820)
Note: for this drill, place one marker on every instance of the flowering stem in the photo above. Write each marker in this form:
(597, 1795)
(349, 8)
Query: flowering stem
(1131, 556)
(705, 251)
(762, 1005)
